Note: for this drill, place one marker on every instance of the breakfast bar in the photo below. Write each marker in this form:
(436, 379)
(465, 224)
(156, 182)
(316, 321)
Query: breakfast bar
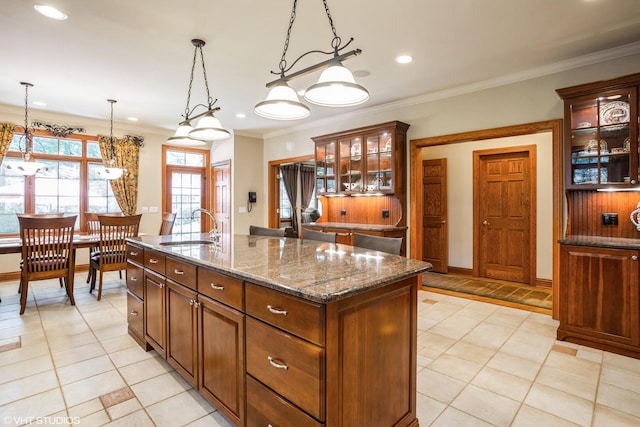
(281, 331)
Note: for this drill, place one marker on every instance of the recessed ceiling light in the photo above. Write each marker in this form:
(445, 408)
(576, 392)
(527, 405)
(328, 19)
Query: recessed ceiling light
(241, 115)
(132, 119)
(50, 12)
(40, 103)
(404, 59)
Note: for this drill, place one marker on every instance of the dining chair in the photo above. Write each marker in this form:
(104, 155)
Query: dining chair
(391, 245)
(112, 253)
(166, 226)
(47, 252)
(254, 230)
(319, 236)
(93, 229)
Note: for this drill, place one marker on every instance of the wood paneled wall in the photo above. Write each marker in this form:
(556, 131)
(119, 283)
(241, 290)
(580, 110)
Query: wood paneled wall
(586, 209)
(362, 210)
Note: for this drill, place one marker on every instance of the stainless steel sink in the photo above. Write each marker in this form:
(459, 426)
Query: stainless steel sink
(187, 242)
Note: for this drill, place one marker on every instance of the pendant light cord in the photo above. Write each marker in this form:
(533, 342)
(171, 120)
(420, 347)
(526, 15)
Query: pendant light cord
(26, 121)
(210, 102)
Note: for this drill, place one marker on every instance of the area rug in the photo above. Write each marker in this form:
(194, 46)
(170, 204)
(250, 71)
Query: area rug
(519, 294)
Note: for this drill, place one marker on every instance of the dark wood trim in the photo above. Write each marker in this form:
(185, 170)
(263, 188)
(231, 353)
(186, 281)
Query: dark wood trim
(599, 86)
(415, 163)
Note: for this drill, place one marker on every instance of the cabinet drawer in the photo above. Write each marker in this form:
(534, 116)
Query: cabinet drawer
(154, 261)
(224, 289)
(292, 367)
(135, 254)
(135, 278)
(287, 312)
(135, 309)
(181, 272)
(265, 408)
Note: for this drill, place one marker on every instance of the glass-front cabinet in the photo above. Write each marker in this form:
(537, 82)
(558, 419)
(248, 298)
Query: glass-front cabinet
(326, 167)
(370, 161)
(601, 137)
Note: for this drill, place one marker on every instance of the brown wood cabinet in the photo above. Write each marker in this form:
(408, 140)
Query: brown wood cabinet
(601, 134)
(304, 360)
(599, 298)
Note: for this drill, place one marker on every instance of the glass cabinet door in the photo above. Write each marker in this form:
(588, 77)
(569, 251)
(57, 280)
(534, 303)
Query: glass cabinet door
(325, 168)
(379, 162)
(351, 165)
(603, 146)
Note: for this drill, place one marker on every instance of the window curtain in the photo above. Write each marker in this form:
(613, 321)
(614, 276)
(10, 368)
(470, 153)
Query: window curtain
(290, 176)
(6, 135)
(126, 156)
(307, 183)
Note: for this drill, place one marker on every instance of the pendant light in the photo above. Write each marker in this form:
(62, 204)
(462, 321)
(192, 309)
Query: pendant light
(26, 167)
(336, 86)
(110, 171)
(208, 127)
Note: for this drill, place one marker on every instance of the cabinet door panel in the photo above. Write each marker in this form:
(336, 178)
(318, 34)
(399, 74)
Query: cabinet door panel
(221, 351)
(154, 311)
(181, 323)
(599, 293)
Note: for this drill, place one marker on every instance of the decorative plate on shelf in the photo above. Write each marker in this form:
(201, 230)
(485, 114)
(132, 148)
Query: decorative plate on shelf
(591, 146)
(614, 112)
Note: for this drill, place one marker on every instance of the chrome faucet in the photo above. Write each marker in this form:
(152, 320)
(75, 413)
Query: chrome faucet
(215, 233)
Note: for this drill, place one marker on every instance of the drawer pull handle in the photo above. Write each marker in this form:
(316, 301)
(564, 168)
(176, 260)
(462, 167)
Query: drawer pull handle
(134, 313)
(216, 287)
(178, 272)
(133, 253)
(133, 279)
(277, 365)
(274, 310)
(634, 257)
(153, 261)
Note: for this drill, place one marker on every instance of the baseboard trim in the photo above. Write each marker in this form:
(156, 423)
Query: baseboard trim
(15, 275)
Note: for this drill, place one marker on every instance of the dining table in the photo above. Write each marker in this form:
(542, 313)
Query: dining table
(13, 245)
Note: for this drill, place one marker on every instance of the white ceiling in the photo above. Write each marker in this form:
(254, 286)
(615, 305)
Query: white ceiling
(139, 51)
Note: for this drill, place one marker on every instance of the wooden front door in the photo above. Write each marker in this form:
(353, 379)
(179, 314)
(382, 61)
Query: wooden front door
(221, 175)
(504, 220)
(435, 243)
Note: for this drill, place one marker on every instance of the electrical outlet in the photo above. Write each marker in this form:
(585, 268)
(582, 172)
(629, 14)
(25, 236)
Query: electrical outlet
(609, 219)
(385, 213)
(343, 212)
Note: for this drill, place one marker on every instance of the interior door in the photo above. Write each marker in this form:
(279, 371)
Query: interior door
(435, 243)
(221, 176)
(505, 208)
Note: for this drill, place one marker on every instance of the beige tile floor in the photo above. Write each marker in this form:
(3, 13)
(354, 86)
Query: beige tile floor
(478, 365)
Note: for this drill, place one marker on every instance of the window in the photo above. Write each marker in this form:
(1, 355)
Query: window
(186, 187)
(285, 204)
(70, 183)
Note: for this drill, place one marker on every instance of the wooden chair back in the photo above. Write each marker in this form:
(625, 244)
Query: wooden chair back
(47, 251)
(254, 230)
(166, 226)
(391, 245)
(114, 230)
(319, 235)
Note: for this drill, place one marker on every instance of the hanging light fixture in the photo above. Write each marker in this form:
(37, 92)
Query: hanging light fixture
(110, 171)
(208, 127)
(335, 88)
(26, 167)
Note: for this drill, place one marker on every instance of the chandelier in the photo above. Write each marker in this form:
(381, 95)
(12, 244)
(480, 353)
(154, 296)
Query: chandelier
(208, 127)
(110, 171)
(26, 167)
(336, 86)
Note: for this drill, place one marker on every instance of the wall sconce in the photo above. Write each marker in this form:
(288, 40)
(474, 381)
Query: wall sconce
(26, 167)
(336, 86)
(208, 127)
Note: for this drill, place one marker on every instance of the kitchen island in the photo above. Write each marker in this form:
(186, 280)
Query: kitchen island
(281, 331)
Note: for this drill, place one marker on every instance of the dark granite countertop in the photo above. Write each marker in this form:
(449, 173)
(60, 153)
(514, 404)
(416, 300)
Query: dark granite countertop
(354, 226)
(317, 271)
(601, 242)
